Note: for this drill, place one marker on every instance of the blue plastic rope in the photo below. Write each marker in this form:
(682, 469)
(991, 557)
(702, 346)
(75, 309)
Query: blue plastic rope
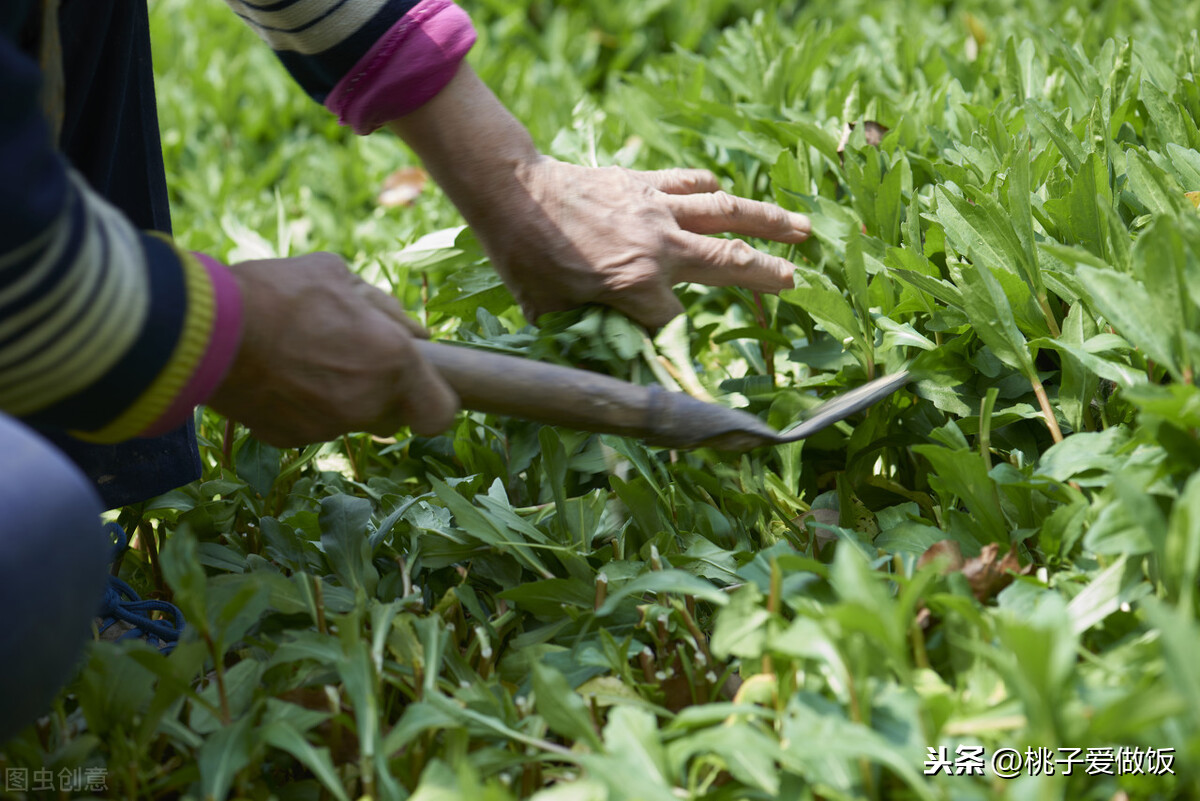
(122, 603)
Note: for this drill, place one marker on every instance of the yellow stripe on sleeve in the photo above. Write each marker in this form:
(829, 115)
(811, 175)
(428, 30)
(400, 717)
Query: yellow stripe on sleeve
(193, 342)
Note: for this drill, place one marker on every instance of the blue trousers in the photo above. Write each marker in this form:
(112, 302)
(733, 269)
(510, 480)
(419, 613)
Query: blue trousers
(53, 557)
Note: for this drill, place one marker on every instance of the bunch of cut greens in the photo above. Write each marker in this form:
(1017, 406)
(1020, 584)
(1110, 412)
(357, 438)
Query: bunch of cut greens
(1000, 559)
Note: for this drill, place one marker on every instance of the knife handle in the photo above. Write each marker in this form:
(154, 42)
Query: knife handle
(511, 386)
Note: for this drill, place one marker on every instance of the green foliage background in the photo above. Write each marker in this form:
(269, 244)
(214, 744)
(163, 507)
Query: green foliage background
(509, 612)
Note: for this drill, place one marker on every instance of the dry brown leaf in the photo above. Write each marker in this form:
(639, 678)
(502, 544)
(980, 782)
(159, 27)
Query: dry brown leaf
(944, 549)
(403, 186)
(986, 574)
(828, 517)
(873, 131)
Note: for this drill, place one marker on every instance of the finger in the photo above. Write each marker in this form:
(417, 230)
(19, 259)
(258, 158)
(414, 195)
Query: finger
(678, 181)
(721, 213)
(730, 262)
(391, 307)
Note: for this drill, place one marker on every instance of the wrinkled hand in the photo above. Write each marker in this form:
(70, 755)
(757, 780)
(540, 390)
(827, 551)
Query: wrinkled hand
(324, 353)
(624, 238)
(562, 235)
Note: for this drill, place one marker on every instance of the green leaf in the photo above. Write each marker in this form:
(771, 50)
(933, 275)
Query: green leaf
(820, 298)
(285, 738)
(962, 474)
(470, 289)
(1068, 144)
(740, 628)
(671, 580)
(1117, 584)
(983, 232)
(749, 755)
(1164, 113)
(992, 318)
(345, 535)
(418, 718)
(636, 766)
(1127, 304)
(486, 528)
(563, 709)
(258, 465)
(182, 571)
(1181, 556)
(224, 753)
(1158, 192)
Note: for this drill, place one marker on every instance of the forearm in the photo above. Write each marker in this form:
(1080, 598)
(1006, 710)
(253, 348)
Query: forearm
(471, 145)
(103, 329)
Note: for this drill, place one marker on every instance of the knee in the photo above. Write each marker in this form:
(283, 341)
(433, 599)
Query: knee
(53, 553)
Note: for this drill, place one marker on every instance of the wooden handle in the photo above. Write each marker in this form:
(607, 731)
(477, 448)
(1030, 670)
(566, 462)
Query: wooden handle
(515, 387)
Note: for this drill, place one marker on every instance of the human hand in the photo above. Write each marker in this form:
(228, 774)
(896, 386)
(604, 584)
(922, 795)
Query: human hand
(324, 353)
(561, 235)
(620, 237)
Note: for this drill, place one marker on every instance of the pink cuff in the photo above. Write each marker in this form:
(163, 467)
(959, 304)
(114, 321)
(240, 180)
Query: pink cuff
(222, 348)
(409, 64)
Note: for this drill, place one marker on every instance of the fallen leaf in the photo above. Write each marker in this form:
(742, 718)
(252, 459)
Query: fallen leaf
(828, 517)
(873, 131)
(986, 574)
(403, 186)
(943, 549)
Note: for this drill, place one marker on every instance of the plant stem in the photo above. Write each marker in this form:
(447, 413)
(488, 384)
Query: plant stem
(1044, 303)
(768, 348)
(351, 458)
(219, 671)
(601, 590)
(227, 445)
(319, 602)
(776, 589)
(1047, 412)
(690, 623)
(147, 535)
(985, 426)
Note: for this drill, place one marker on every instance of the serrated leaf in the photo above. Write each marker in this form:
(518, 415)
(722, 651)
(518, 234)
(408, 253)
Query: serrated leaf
(1125, 302)
(992, 318)
(983, 232)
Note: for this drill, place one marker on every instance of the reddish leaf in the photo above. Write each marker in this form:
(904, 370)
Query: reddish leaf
(986, 574)
(403, 187)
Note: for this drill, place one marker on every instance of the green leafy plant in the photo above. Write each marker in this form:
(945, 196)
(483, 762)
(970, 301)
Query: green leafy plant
(1002, 556)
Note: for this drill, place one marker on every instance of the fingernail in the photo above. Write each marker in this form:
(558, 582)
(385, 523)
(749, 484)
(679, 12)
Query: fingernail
(801, 224)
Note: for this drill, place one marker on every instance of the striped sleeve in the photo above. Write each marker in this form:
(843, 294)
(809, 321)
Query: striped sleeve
(368, 61)
(105, 331)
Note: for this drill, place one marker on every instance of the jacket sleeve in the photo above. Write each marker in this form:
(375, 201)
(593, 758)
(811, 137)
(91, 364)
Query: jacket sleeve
(105, 331)
(368, 61)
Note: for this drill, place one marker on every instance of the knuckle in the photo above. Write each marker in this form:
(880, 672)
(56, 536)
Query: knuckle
(638, 275)
(687, 180)
(704, 179)
(727, 205)
(776, 217)
(740, 253)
